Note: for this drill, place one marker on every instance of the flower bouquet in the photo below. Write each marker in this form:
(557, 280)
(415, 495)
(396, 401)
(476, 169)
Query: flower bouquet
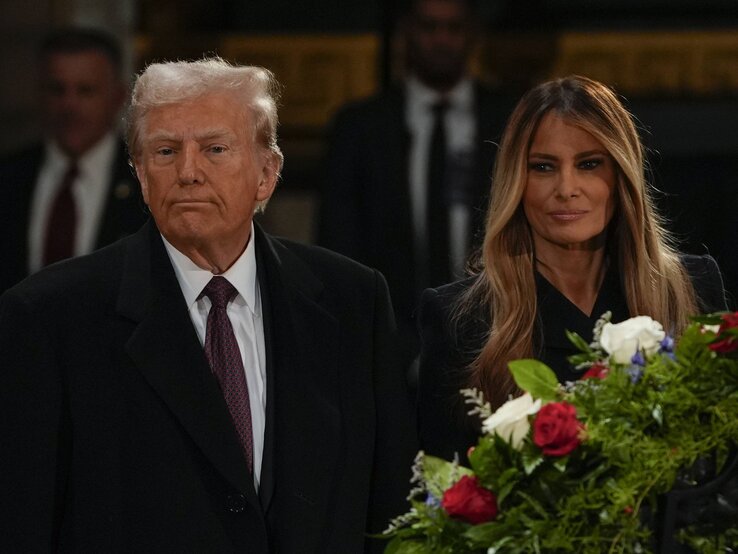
(586, 467)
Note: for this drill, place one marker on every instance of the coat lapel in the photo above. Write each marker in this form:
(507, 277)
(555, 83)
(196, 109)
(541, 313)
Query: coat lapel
(303, 418)
(165, 348)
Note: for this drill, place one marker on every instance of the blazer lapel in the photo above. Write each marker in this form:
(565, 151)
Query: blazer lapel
(303, 416)
(165, 348)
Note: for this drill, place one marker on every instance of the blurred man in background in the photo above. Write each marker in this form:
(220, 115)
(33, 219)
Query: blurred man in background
(75, 191)
(408, 169)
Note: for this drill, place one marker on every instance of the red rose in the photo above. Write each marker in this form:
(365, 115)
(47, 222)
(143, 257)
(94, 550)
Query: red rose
(470, 501)
(728, 343)
(725, 346)
(597, 371)
(730, 321)
(556, 429)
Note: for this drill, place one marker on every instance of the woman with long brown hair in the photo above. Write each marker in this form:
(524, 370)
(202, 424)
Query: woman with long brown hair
(571, 232)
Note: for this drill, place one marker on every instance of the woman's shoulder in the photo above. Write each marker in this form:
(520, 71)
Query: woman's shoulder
(442, 304)
(447, 295)
(707, 281)
(450, 312)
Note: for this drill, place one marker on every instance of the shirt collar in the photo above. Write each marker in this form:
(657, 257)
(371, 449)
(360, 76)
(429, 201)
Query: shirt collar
(192, 278)
(100, 155)
(459, 97)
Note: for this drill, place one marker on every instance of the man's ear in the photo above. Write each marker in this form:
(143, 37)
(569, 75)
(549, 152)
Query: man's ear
(269, 177)
(141, 175)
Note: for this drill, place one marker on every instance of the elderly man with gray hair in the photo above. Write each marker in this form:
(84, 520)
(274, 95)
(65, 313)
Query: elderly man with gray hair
(201, 386)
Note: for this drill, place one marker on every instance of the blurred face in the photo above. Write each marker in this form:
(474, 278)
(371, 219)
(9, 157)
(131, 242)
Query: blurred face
(81, 99)
(569, 198)
(201, 174)
(439, 40)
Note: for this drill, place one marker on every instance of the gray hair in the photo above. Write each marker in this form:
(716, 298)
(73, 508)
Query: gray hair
(173, 82)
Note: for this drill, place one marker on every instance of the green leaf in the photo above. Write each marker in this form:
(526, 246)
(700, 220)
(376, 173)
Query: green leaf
(439, 474)
(714, 318)
(480, 533)
(561, 463)
(535, 377)
(531, 460)
(577, 341)
(399, 546)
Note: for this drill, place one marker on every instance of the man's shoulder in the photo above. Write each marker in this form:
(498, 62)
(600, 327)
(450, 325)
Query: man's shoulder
(88, 277)
(28, 157)
(368, 109)
(323, 262)
(338, 283)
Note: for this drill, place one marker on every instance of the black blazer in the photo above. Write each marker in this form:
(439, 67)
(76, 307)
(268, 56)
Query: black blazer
(365, 210)
(449, 347)
(117, 438)
(123, 213)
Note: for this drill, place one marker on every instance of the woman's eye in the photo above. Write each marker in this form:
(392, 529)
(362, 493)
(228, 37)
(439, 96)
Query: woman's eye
(540, 166)
(591, 163)
(165, 151)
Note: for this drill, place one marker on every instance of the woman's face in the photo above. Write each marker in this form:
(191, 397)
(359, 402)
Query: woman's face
(569, 197)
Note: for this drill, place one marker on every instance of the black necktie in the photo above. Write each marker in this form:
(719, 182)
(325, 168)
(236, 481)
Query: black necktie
(61, 225)
(437, 221)
(221, 350)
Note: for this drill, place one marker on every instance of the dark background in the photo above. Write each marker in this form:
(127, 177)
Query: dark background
(692, 136)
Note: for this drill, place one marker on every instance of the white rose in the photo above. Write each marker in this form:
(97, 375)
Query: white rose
(510, 421)
(623, 340)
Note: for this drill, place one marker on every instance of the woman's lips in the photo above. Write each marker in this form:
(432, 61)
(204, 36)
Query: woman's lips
(567, 215)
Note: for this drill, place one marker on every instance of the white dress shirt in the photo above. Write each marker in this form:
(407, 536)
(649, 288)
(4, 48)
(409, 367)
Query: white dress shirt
(89, 191)
(244, 311)
(460, 126)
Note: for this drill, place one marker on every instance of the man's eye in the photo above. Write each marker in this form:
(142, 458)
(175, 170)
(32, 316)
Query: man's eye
(590, 164)
(165, 151)
(217, 149)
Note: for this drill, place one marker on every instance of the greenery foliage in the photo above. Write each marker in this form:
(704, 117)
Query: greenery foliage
(643, 426)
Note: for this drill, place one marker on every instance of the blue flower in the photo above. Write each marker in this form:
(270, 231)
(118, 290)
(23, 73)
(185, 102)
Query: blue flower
(635, 372)
(638, 359)
(667, 345)
(432, 501)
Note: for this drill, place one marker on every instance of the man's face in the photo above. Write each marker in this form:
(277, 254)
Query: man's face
(439, 41)
(81, 98)
(201, 173)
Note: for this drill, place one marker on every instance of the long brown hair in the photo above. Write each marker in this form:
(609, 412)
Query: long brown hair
(654, 280)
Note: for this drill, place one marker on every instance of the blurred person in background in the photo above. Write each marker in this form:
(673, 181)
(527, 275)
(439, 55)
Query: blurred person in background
(75, 191)
(408, 170)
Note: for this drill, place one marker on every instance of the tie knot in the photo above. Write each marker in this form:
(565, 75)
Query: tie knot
(220, 291)
(72, 171)
(439, 108)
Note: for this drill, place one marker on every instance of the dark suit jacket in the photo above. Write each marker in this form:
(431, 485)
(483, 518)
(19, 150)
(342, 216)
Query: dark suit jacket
(123, 213)
(449, 347)
(365, 210)
(117, 438)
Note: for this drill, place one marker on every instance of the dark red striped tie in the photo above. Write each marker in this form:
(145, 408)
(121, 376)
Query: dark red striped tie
(61, 225)
(224, 356)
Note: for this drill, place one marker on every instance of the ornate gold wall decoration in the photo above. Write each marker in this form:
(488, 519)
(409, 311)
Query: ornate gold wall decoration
(318, 73)
(654, 63)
